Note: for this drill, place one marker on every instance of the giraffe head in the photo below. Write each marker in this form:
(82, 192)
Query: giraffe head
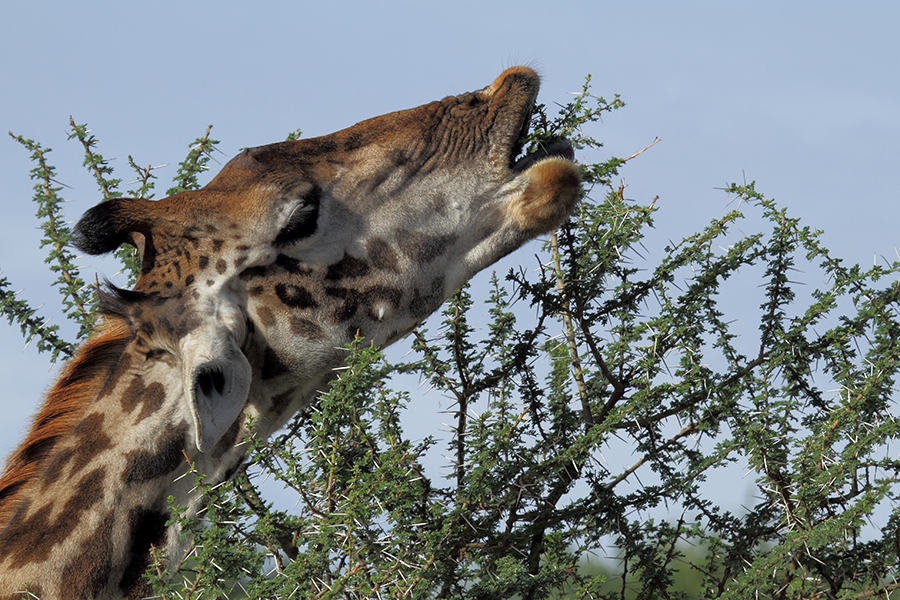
(248, 292)
(253, 284)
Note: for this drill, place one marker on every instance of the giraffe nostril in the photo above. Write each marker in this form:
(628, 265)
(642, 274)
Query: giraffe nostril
(218, 381)
(204, 382)
(210, 379)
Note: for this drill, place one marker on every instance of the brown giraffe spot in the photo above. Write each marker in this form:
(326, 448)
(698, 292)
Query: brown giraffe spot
(189, 280)
(253, 272)
(89, 492)
(382, 255)
(221, 266)
(422, 305)
(348, 308)
(266, 316)
(317, 146)
(217, 245)
(256, 290)
(353, 142)
(353, 299)
(91, 441)
(88, 573)
(294, 296)
(30, 540)
(280, 402)
(422, 247)
(148, 528)
(140, 394)
(203, 262)
(143, 465)
(57, 465)
(153, 398)
(344, 313)
(306, 328)
(292, 265)
(272, 365)
(399, 157)
(349, 266)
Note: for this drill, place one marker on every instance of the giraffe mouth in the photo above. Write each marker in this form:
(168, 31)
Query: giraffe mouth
(559, 147)
(514, 93)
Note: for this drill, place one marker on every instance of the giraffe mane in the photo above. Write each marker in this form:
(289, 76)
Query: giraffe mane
(82, 379)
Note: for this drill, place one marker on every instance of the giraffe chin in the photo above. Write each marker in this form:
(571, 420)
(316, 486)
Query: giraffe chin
(550, 190)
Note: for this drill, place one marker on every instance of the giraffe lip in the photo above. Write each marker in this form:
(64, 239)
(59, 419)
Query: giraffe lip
(561, 148)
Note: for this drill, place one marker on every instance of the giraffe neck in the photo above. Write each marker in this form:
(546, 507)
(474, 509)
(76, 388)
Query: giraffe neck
(84, 496)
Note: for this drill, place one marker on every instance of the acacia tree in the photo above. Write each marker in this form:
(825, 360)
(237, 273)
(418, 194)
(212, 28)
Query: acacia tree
(599, 354)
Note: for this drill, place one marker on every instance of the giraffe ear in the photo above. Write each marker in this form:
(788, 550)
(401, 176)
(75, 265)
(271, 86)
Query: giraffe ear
(110, 224)
(217, 381)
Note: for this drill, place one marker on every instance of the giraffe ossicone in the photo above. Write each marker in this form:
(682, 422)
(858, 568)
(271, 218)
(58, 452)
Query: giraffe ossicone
(248, 290)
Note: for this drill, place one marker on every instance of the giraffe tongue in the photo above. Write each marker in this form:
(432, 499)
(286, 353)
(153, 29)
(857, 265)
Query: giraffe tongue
(561, 148)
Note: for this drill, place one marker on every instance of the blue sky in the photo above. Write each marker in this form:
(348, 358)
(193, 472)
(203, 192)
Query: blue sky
(803, 98)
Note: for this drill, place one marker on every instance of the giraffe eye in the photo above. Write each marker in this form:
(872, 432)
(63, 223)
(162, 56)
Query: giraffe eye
(302, 222)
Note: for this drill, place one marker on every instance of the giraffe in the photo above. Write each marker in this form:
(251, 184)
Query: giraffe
(249, 288)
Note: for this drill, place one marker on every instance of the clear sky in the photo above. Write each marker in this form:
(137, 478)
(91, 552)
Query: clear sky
(801, 97)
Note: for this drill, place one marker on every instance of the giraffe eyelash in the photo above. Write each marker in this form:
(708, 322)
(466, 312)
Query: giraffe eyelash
(303, 222)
